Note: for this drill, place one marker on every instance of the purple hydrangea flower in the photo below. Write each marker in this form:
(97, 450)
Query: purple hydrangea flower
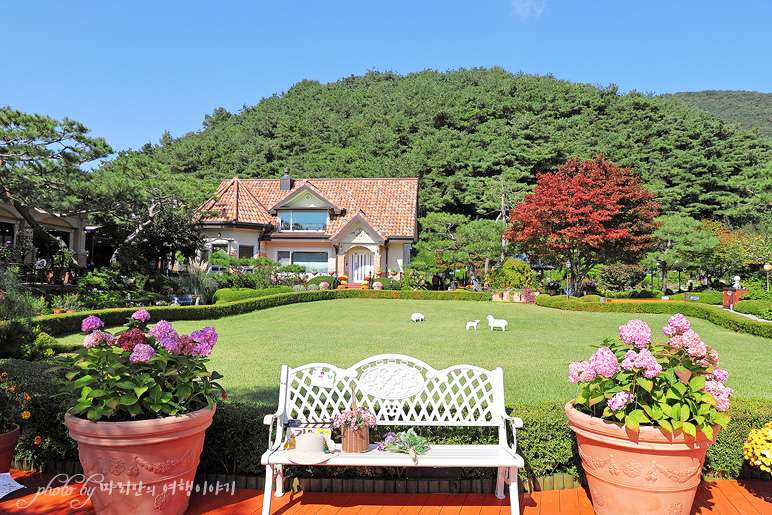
(142, 353)
(206, 335)
(162, 329)
(202, 349)
(91, 323)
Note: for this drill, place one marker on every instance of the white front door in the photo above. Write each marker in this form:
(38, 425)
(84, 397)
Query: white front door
(360, 265)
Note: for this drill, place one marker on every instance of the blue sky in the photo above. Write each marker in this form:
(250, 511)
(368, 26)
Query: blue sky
(131, 70)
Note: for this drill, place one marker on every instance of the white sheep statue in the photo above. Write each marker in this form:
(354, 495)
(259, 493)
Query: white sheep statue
(472, 324)
(497, 322)
(417, 317)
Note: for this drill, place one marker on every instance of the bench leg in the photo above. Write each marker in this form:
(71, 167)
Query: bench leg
(279, 481)
(514, 495)
(268, 490)
(500, 479)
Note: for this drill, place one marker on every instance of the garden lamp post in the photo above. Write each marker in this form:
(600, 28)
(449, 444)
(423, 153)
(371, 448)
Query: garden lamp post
(767, 268)
(568, 278)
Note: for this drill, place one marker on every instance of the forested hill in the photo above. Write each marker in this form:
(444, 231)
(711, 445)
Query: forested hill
(749, 109)
(477, 138)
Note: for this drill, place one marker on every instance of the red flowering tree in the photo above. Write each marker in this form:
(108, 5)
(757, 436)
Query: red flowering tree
(588, 213)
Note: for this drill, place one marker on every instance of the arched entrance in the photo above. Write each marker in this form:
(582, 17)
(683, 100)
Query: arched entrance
(360, 264)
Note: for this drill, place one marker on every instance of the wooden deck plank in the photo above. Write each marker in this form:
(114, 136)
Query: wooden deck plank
(717, 500)
(725, 497)
(757, 492)
(569, 501)
(413, 503)
(529, 504)
(549, 502)
(739, 501)
(585, 503)
(453, 504)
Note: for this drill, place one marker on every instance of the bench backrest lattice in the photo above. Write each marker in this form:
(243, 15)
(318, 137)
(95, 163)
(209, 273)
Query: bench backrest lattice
(399, 390)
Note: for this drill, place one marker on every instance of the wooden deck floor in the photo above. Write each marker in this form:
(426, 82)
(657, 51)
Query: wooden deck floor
(713, 498)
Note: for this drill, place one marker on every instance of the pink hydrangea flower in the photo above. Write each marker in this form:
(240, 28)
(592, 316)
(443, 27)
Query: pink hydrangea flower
(162, 329)
(580, 372)
(604, 362)
(141, 314)
(694, 345)
(678, 323)
(717, 375)
(643, 360)
(142, 353)
(91, 323)
(635, 332)
(720, 392)
(202, 349)
(97, 338)
(620, 400)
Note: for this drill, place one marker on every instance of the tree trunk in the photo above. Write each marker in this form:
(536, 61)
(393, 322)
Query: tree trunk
(663, 280)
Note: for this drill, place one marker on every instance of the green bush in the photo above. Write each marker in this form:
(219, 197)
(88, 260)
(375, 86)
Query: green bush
(320, 279)
(590, 298)
(234, 294)
(753, 307)
(514, 273)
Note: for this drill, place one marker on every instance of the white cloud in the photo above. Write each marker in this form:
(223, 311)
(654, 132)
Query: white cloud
(528, 8)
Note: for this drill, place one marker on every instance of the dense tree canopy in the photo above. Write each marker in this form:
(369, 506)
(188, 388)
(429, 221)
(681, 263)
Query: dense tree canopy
(478, 138)
(588, 213)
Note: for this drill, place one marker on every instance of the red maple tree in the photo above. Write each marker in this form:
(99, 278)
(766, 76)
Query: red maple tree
(588, 213)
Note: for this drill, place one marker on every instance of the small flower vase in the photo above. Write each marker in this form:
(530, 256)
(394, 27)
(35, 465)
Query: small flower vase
(356, 439)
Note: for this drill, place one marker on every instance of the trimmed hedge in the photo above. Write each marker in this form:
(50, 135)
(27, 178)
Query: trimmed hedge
(237, 438)
(753, 307)
(234, 294)
(713, 314)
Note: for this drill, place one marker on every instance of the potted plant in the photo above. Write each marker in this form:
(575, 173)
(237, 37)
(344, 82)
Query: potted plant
(314, 271)
(645, 417)
(343, 279)
(57, 304)
(393, 272)
(12, 411)
(142, 402)
(72, 303)
(355, 427)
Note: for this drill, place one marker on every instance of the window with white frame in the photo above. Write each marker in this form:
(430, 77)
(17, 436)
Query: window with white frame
(307, 221)
(310, 260)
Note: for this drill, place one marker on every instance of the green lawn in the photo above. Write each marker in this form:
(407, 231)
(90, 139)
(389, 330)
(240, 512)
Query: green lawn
(534, 351)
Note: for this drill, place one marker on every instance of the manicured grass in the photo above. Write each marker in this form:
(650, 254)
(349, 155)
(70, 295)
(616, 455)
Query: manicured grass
(534, 352)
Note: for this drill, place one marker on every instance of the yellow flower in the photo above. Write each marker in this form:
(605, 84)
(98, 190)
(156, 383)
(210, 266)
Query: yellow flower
(38, 440)
(25, 415)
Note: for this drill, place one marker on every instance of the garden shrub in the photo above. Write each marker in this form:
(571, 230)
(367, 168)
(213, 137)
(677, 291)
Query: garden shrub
(513, 273)
(753, 307)
(388, 283)
(318, 279)
(590, 298)
(619, 276)
(234, 294)
(716, 297)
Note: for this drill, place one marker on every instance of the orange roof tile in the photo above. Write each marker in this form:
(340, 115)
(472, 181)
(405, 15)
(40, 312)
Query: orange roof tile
(389, 205)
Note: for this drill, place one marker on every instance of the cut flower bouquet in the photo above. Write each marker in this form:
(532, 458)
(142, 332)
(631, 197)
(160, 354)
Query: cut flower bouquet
(675, 385)
(139, 373)
(356, 417)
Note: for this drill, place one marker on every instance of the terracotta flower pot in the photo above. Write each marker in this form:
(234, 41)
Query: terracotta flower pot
(8, 443)
(156, 458)
(651, 472)
(58, 311)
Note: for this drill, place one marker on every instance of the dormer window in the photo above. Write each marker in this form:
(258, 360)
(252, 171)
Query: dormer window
(305, 221)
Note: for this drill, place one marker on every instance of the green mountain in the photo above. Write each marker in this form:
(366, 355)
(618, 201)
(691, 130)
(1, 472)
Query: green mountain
(749, 109)
(478, 139)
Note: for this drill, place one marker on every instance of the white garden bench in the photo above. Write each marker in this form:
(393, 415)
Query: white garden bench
(400, 391)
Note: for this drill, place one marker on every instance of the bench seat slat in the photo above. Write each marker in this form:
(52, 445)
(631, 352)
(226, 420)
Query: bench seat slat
(437, 456)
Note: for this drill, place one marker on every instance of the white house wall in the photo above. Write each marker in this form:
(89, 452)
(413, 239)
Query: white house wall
(234, 238)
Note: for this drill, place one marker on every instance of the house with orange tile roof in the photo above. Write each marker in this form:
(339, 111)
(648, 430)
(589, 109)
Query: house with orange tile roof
(351, 226)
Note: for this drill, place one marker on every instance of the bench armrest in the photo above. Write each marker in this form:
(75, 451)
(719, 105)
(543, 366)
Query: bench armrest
(514, 422)
(269, 420)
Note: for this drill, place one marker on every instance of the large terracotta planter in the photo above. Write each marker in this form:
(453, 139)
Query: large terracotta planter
(649, 473)
(155, 459)
(8, 443)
